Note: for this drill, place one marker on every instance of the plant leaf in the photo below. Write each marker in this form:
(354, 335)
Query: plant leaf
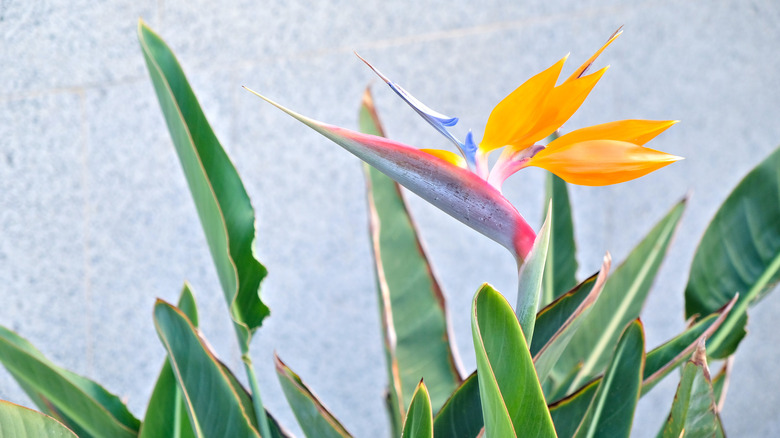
(694, 412)
(560, 271)
(214, 404)
(666, 357)
(512, 400)
(19, 422)
(550, 319)
(222, 203)
(612, 410)
(529, 280)
(547, 355)
(78, 400)
(461, 415)
(166, 413)
(620, 303)
(412, 305)
(739, 252)
(419, 417)
(660, 361)
(567, 414)
(315, 420)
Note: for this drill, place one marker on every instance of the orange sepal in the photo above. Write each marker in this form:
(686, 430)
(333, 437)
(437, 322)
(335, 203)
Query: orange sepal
(517, 113)
(601, 162)
(637, 132)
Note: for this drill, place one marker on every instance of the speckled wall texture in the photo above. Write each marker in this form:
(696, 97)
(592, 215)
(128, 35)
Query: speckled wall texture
(96, 220)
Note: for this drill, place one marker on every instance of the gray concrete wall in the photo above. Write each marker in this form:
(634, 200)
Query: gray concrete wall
(96, 220)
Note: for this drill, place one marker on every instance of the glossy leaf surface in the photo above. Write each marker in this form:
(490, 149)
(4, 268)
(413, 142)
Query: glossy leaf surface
(166, 413)
(461, 415)
(659, 362)
(215, 403)
(694, 413)
(419, 418)
(552, 317)
(315, 420)
(74, 400)
(561, 268)
(513, 404)
(739, 253)
(612, 410)
(620, 303)
(529, 280)
(546, 355)
(567, 414)
(412, 305)
(19, 422)
(668, 356)
(222, 203)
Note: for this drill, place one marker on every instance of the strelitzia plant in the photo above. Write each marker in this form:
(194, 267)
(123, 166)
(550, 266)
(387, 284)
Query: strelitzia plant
(569, 357)
(464, 187)
(575, 368)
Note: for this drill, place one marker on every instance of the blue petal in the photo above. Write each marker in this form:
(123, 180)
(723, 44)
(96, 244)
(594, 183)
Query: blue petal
(470, 148)
(421, 108)
(436, 119)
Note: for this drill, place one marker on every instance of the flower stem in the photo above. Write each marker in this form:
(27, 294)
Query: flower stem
(257, 401)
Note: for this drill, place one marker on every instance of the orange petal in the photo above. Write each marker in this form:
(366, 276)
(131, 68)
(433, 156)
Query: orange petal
(448, 156)
(584, 67)
(637, 132)
(517, 113)
(562, 102)
(601, 162)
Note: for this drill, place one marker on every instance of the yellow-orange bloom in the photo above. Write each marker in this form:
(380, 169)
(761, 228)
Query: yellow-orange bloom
(605, 154)
(601, 162)
(599, 155)
(538, 107)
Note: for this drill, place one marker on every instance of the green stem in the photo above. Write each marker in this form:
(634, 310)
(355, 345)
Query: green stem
(257, 401)
(244, 338)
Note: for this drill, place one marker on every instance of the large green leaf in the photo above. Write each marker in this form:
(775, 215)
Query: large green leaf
(166, 413)
(512, 401)
(215, 405)
(620, 302)
(72, 399)
(612, 410)
(551, 318)
(419, 418)
(567, 414)
(19, 422)
(560, 271)
(461, 416)
(315, 420)
(222, 203)
(666, 357)
(558, 314)
(739, 253)
(694, 413)
(529, 280)
(412, 305)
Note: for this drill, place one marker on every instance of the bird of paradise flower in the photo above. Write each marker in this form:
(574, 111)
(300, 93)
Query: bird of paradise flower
(463, 186)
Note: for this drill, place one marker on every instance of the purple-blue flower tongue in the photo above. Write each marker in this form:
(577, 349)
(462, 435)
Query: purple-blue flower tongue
(455, 190)
(436, 119)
